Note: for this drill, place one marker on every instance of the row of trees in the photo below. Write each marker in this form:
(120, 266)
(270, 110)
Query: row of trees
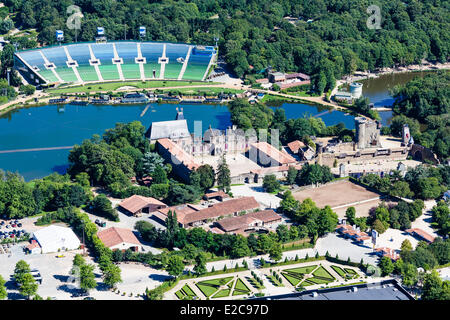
(422, 182)
(398, 216)
(313, 220)
(196, 240)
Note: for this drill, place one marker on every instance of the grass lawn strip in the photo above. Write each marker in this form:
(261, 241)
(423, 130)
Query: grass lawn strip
(323, 273)
(339, 271)
(240, 285)
(222, 293)
(188, 291)
(292, 280)
(302, 270)
(180, 295)
(207, 290)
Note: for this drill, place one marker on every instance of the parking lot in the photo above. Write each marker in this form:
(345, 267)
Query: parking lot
(11, 230)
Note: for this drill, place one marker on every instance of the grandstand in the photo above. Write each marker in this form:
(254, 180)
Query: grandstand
(114, 61)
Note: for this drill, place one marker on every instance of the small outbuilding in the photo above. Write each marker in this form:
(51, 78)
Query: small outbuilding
(136, 205)
(119, 239)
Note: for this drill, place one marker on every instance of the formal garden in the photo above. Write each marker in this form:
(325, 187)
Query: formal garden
(345, 273)
(185, 293)
(308, 275)
(222, 287)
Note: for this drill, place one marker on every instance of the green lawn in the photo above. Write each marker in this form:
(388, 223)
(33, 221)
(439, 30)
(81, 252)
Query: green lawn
(292, 280)
(240, 285)
(302, 270)
(207, 290)
(339, 271)
(111, 86)
(185, 293)
(222, 293)
(209, 287)
(321, 272)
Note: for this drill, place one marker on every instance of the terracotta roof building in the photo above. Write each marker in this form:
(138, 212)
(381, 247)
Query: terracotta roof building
(266, 155)
(182, 162)
(218, 195)
(136, 205)
(190, 216)
(119, 239)
(421, 234)
(295, 146)
(181, 210)
(249, 222)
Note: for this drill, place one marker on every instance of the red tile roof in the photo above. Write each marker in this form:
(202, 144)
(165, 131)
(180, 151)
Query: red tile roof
(240, 222)
(225, 208)
(270, 151)
(114, 236)
(136, 203)
(295, 145)
(422, 234)
(216, 194)
(178, 153)
(181, 210)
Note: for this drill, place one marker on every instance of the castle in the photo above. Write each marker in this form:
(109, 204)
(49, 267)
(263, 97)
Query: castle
(213, 142)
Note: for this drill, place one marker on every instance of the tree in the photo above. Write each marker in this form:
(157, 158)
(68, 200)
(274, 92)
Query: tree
(87, 277)
(200, 263)
(112, 275)
(406, 246)
(240, 247)
(203, 177)
(27, 285)
(159, 176)
(434, 288)
(350, 215)
(223, 175)
(409, 274)
(379, 226)
(102, 206)
(20, 270)
(3, 293)
(270, 183)
(175, 266)
(276, 252)
(386, 266)
(151, 160)
(400, 189)
(291, 175)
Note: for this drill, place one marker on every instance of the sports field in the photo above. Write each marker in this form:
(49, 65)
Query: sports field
(340, 195)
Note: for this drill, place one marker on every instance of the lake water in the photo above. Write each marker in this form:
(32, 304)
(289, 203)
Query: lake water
(57, 126)
(378, 90)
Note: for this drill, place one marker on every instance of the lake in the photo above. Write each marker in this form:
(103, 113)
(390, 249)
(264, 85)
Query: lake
(58, 126)
(378, 90)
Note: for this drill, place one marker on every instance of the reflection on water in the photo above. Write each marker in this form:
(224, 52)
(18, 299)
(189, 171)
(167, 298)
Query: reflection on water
(41, 127)
(378, 90)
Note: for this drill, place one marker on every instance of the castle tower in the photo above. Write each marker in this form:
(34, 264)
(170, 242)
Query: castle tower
(356, 89)
(367, 133)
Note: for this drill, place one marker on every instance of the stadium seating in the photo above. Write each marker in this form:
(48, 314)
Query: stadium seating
(80, 53)
(152, 52)
(120, 60)
(58, 57)
(35, 59)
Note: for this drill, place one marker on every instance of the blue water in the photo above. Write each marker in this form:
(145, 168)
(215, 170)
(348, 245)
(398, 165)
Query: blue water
(56, 126)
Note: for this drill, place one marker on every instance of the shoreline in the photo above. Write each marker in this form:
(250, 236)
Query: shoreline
(428, 66)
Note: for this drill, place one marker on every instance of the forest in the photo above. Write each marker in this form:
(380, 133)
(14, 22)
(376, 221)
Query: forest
(329, 39)
(423, 104)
